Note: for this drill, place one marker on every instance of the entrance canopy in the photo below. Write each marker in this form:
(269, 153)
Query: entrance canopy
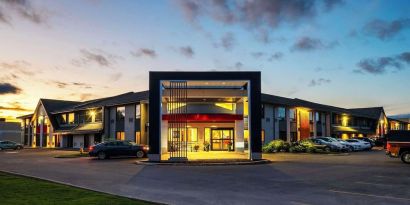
(204, 112)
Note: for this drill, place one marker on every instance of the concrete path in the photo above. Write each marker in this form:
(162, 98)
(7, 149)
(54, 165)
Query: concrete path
(359, 178)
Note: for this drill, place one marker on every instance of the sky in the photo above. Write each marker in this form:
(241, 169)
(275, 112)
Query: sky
(337, 52)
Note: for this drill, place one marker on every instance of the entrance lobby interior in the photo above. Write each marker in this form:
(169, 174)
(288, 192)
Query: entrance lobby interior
(204, 119)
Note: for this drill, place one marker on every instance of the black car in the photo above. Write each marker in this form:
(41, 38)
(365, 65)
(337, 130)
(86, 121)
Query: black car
(10, 145)
(117, 148)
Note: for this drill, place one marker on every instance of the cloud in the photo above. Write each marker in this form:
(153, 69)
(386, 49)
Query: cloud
(14, 106)
(381, 65)
(144, 52)
(309, 44)
(18, 67)
(95, 56)
(385, 30)
(115, 77)
(331, 4)
(255, 14)
(276, 56)
(238, 65)
(84, 96)
(25, 10)
(257, 54)
(7, 88)
(405, 57)
(318, 82)
(63, 85)
(228, 41)
(187, 51)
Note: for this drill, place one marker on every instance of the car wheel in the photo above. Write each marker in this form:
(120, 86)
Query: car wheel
(405, 157)
(140, 154)
(350, 149)
(327, 149)
(18, 148)
(102, 155)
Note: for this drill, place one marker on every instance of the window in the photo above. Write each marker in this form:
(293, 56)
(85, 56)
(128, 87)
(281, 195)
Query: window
(311, 115)
(263, 136)
(192, 134)
(71, 118)
(318, 117)
(138, 111)
(98, 115)
(292, 114)
(281, 112)
(138, 137)
(120, 113)
(63, 119)
(120, 136)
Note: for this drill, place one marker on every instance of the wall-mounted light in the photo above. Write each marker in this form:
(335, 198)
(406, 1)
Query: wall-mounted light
(92, 113)
(345, 120)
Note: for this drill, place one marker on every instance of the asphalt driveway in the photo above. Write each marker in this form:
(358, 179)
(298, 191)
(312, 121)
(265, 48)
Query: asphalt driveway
(358, 178)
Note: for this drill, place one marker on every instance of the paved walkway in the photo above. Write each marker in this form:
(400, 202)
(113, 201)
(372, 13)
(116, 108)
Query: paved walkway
(359, 178)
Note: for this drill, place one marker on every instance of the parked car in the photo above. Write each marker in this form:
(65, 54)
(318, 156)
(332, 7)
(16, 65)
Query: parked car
(350, 146)
(335, 145)
(10, 145)
(372, 143)
(398, 145)
(316, 143)
(118, 148)
(363, 145)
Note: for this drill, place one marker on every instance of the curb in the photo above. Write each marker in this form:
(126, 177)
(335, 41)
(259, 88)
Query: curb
(204, 163)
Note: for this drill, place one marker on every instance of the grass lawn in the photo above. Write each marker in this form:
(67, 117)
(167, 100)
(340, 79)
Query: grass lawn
(23, 190)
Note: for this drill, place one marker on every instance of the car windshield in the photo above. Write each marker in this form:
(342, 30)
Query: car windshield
(325, 139)
(351, 140)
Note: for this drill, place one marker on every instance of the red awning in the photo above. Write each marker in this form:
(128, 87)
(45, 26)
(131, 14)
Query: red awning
(203, 117)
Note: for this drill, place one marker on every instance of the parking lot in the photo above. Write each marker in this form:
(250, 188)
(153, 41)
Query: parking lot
(355, 178)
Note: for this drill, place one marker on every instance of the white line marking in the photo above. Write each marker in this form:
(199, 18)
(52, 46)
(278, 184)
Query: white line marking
(298, 203)
(370, 195)
(369, 183)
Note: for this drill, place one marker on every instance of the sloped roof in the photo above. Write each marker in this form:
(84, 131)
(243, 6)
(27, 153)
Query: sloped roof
(273, 99)
(122, 99)
(53, 105)
(372, 112)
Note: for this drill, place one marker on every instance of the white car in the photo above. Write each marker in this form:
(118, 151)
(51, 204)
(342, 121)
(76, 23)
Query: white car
(362, 144)
(336, 144)
(350, 146)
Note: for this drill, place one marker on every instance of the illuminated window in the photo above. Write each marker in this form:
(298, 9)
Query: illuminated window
(173, 106)
(245, 107)
(138, 111)
(345, 121)
(228, 106)
(138, 137)
(71, 118)
(207, 136)
(192, 135)
(120, 136)
(263, 136)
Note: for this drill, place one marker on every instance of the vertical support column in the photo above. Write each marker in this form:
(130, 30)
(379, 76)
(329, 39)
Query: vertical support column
(328, 131)
(314, 124)
(41, 131)
(287, 118)
(323, 124)
(276, 122)
(29, 135)
(239, 130)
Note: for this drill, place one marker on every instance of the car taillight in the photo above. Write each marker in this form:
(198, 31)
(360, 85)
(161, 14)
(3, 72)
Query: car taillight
(146, 148)
(90, 148)
(388, 146)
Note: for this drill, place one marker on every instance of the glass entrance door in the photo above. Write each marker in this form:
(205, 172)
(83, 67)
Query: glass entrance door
(222, 139)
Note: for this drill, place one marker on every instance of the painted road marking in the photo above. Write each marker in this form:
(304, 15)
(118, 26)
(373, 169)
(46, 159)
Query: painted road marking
(370, 195)
(12, 152)
(298, 203)
(370, 183)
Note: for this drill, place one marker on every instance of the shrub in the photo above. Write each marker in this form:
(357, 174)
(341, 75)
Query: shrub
(273, 146)
(286, 147)
(297, 148)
